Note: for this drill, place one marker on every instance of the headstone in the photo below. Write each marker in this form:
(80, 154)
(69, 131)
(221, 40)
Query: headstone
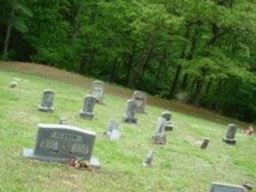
(229, 137)
(141, 101)
(97, 90)
(13, 84)
(62, 143)
(87, 110)
(149, 158)
(63, 121)
(112, 132)
(222, 187)
(47, 101)
(129, 116)
(205, 143)
(169, 124)
(160, 136)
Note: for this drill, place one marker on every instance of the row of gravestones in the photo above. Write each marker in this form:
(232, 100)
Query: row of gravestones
(63, 142)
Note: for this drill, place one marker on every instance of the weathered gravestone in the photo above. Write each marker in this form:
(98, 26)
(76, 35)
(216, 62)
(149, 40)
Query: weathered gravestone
(160, 135)
(62, 143)
(112, 132)
(222, 187)
(205, 143)
(13, 84)
(229, 137)
(141, 101)
(87, 110)
(149, 158)
(129, 116)
(47, 101)
(97, 90)
(169, 124)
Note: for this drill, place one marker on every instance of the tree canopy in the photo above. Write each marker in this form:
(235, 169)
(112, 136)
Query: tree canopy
(199, 51)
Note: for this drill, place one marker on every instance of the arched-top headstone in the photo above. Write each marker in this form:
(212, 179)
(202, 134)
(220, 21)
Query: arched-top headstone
(229, 137)
(88, 106)
(129, 115)
(97, 90)
(47, 101)
(141, 101)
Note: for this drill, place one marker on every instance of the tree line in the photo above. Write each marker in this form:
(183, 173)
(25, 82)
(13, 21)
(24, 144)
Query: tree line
(199, 51)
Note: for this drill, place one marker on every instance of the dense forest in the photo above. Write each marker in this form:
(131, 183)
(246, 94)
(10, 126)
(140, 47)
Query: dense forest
(199, 51)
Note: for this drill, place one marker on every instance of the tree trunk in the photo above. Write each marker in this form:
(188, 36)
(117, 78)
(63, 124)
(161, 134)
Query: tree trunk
(76, 27)
(113, 70)
(179, 67)
(8, 34)
(162, 62)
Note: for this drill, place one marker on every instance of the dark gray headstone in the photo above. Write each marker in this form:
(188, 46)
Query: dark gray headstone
(62, 143)
(169, 124)
(222, 187)
(160, 135)
(149, 158)
(113, 132)
(205, 143)
(129, 116)
(47, 101)
(229, 137)
(87, 110)
(97, 90)
(141, 101)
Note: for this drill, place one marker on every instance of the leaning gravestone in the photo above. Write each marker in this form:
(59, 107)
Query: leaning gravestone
(112, 132)
(97, 90)
(149, 158)
(205, 143)
(62, 143)
(129, 116)
(141, 100)
(222, 187)
(169, 124)
(160, 136)
(47, 101)
(229, 137)
(87, 110)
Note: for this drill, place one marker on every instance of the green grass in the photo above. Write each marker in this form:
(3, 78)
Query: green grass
(180, 165)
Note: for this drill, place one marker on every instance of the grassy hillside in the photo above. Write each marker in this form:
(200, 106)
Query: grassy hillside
(180, 165)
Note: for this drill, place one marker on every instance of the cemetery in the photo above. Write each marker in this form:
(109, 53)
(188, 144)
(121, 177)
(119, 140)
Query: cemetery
(53, 123)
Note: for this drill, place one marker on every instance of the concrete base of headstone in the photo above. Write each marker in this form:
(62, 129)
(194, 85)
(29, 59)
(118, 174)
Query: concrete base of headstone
(169, 126)
(229, 141)
(160, 140)
(129, 120)
(86, 115)
(45, 109)
(29, 153)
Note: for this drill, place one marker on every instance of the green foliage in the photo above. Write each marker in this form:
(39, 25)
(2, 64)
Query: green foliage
(164, 47)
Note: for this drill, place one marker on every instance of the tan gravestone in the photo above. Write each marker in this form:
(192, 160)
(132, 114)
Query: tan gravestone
(141, 101)
(97, 90)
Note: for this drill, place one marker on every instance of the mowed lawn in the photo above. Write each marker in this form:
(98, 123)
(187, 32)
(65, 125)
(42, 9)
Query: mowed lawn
(180, 165)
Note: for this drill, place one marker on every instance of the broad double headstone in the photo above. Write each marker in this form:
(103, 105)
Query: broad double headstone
(149, 158)
(87, 110)
(62, 143)
(222, 187)
(47, 101)
(229, 137)
(112, 132)
(97, 90)
(129, 116)
(169, 124)
(141, 101)
(160, 135)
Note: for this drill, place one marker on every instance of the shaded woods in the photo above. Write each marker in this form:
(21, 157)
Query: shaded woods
(198, 51)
